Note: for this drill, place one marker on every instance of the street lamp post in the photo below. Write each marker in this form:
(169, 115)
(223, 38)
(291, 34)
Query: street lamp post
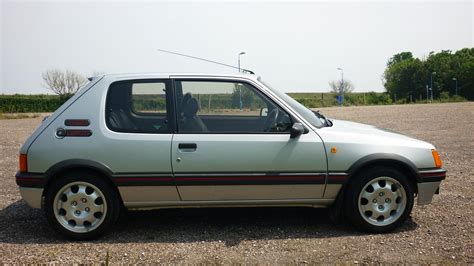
(427, 94)
(431, 84)
(241, 53)
(456, 91)
(341, 90)
(240, 89)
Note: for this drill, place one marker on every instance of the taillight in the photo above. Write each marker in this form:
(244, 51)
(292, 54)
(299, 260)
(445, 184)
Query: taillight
(437, 160)
(23, 163)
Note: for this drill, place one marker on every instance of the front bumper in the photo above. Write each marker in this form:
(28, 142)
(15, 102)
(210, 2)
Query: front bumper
(428, 185)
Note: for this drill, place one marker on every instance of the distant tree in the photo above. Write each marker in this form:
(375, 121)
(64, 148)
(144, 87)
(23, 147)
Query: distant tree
(397, 58)
(337, 86)
(63, 83)
(406, 77)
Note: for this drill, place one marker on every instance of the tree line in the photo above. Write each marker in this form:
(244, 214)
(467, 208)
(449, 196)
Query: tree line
(451, 75)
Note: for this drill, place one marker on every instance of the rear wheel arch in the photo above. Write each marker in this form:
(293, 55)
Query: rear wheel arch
(84, 166)
(68, 213)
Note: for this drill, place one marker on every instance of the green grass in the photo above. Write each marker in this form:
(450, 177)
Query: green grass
(17, 116)
(19, 103)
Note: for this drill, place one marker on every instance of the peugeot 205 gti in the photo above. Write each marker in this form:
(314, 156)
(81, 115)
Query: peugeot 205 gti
(164, 141)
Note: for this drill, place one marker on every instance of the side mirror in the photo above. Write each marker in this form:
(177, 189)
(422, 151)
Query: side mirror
(296, 130)
(263, 112)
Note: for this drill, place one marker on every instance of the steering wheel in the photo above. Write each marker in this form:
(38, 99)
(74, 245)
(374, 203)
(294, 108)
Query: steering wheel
(271, 120)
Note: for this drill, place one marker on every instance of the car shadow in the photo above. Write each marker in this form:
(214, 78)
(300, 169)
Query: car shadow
(20, 224)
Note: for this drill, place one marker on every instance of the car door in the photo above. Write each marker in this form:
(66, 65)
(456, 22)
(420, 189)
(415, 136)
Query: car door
(228, 147)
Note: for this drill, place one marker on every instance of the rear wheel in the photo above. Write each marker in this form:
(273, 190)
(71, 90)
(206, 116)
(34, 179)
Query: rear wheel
(379, 200)
(81, 205)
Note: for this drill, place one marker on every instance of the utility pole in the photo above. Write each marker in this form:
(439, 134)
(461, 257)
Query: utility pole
(431, 81)
(427, 95)
(240, 89)
(456, 80)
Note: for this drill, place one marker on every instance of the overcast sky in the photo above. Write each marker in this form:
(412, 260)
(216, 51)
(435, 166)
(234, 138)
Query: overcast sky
(293, 46)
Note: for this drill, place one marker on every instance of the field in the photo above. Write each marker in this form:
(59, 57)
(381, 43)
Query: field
(438, 233)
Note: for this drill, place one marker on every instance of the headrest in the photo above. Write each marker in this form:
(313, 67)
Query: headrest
(190, 108)
(186, 98)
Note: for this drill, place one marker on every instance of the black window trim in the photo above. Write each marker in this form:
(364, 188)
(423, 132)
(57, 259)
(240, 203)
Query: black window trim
(209, 79)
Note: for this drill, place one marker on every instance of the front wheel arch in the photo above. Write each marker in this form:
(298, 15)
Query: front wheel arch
(389, 161)
(338, 207)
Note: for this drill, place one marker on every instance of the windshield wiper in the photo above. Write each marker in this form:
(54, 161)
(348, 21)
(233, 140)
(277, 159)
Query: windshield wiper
(327, 122)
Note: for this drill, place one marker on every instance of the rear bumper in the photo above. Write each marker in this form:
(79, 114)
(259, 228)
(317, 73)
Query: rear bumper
(32, 196)
(33, 180)
(31, 188)
(430, 181)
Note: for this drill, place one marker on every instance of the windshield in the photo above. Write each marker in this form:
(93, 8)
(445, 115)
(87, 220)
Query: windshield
(307, 114)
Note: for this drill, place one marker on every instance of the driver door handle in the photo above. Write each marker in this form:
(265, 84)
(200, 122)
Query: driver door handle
(187, 146)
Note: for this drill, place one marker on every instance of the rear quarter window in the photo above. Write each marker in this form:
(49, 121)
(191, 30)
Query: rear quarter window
(149, 98)
(138, 106)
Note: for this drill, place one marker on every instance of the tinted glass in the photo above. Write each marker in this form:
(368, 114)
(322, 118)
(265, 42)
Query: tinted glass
(137, 107)
(227, 107)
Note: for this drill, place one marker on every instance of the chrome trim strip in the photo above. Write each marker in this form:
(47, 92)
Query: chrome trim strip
(316, 203)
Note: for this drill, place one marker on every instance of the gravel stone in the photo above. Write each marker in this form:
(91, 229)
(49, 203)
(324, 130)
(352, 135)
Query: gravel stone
(438, 233)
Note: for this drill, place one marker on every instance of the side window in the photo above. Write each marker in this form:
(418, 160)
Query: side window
(227, 107)
(137, 106)
(149, 98)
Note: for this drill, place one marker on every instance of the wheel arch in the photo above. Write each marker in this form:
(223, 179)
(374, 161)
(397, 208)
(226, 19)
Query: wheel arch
(374, 160)
(388, 160)
(64, 167)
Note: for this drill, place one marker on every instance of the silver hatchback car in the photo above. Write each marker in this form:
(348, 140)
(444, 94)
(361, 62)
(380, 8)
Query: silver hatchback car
(174, 140)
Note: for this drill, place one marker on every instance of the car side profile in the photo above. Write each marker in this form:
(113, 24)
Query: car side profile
(143, 141)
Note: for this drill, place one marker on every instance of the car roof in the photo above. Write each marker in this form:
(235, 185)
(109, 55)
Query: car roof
(171, 74)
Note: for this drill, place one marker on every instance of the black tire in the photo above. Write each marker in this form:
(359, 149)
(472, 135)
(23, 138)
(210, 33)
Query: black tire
(104, 220)
(362, 205)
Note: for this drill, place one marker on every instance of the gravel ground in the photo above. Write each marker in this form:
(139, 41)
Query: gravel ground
(438, 233)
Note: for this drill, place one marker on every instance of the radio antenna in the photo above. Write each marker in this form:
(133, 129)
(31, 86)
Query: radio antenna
(205, 60)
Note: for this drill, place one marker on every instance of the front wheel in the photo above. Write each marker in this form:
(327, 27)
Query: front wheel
(81, 205)
(379, 200)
